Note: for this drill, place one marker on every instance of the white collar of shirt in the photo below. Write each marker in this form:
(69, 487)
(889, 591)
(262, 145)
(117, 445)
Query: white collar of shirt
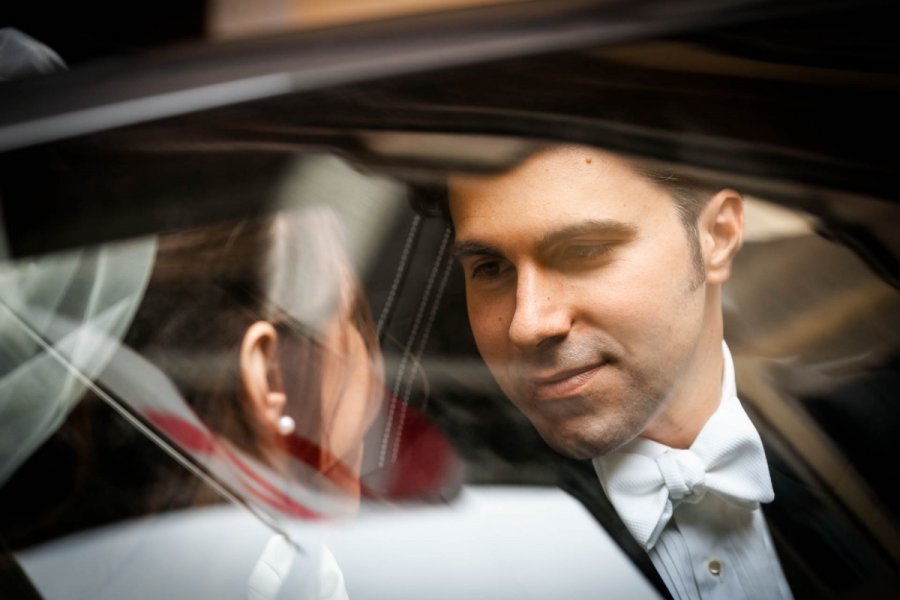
(646, 480)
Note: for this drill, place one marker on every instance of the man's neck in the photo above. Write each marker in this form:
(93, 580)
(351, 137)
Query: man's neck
(694, 401)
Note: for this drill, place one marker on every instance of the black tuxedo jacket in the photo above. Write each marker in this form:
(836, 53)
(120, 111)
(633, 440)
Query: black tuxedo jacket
(824, 553)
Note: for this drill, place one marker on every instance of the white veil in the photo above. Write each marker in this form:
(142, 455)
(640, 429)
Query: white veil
(61, 319)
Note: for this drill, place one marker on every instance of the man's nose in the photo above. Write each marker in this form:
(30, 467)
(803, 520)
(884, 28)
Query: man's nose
(541, 312)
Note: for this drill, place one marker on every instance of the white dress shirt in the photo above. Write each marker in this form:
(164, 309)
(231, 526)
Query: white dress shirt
(711, 545)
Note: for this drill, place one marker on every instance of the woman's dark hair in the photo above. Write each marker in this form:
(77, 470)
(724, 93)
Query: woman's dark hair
(203, 294)
(208, 286)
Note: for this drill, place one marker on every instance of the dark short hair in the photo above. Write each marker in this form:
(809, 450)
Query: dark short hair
(689, 193)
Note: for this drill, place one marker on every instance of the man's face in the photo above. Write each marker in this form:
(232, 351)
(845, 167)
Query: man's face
(582, 295)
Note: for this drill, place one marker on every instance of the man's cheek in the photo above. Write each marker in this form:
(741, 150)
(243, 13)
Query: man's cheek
(503, 378)
(489, 335)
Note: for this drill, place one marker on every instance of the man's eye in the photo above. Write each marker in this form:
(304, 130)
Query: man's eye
(489, 269)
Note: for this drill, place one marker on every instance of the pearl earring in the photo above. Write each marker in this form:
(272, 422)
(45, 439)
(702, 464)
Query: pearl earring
(286, 425)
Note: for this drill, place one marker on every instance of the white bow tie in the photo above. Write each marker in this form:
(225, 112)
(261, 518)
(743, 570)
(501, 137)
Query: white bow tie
(646, 481)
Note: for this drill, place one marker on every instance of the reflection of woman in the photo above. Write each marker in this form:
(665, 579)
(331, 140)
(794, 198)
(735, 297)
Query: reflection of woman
(263, 328)
(264, 371)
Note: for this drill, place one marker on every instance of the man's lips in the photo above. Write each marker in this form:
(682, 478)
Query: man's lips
(562, 383)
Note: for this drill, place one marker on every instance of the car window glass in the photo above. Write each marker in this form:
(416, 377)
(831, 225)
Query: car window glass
(400, 433)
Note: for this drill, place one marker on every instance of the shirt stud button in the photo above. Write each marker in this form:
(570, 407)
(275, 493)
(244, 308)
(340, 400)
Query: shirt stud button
(715, 567)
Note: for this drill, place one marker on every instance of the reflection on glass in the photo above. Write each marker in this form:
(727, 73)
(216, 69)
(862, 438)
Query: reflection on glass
(251, 359)
(263, 329)
(244, 323)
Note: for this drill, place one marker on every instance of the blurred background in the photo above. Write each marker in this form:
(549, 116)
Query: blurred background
(82, 32)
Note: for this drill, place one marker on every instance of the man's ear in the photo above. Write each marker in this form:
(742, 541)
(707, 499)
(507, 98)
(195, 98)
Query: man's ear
(721, 230)
(261, 374)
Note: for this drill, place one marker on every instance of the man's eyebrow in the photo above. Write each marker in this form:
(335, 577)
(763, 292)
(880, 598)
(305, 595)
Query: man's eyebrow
(463, 249)
(607, 228)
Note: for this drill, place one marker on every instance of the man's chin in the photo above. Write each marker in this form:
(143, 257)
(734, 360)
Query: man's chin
(580, 446)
